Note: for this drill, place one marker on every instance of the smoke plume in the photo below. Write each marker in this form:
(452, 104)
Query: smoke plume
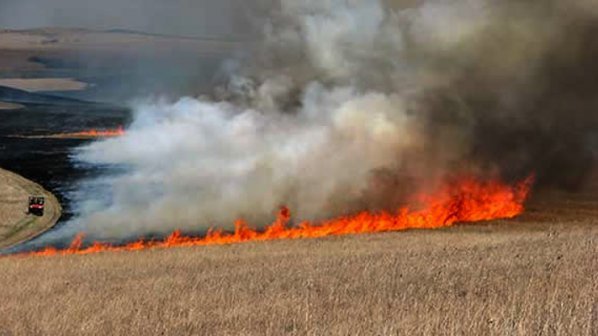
(354, 105)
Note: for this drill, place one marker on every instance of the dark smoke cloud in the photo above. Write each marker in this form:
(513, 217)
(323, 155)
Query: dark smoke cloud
(507, 87)
(353, 105)
(528, 89)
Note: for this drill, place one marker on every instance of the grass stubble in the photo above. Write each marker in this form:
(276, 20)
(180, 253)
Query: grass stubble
(537, 275)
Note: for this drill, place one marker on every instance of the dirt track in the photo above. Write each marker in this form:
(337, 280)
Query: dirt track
(15, 225)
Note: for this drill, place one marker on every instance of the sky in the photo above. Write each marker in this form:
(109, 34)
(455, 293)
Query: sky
(200, 18)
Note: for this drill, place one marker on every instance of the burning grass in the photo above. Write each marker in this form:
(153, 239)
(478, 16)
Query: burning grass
(524, 278)
(86, 134)
(465, 200)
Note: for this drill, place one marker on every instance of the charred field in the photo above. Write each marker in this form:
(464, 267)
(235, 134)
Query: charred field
(46, 161)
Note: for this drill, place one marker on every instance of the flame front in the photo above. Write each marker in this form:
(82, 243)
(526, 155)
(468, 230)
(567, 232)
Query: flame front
(91, 133)
(467, 200)
(95, 133)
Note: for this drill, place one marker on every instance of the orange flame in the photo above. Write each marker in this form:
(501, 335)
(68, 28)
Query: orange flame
(96, 133)
(467, 200)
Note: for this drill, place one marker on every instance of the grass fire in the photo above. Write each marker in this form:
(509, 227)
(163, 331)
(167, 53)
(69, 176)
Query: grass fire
(465, 200)
(93, 133)
(298, 167)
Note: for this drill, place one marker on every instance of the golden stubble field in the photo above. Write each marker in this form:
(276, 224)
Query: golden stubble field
(537, 275)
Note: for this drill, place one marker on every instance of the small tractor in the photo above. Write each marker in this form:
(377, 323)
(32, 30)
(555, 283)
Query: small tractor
(36, 205)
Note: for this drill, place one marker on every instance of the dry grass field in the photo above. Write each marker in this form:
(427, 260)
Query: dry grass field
(15, 225)
(43, 84)
(537, 275)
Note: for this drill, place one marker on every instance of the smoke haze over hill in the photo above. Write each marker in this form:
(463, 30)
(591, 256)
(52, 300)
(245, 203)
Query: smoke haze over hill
(204, 18)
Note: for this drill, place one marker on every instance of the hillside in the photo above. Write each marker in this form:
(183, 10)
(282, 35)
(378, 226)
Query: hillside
(109, 66)
(17, 96)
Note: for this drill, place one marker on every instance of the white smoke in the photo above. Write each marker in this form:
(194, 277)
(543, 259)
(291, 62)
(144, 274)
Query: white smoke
(196, 163)
(332, 99)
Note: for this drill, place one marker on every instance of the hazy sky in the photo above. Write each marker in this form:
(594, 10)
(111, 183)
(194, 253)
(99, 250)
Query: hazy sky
(182, 17)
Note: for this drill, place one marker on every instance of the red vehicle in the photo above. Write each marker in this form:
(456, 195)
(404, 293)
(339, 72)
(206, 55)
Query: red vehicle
(36, 205)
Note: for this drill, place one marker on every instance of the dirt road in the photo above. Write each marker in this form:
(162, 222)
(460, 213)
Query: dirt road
(15, 225)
